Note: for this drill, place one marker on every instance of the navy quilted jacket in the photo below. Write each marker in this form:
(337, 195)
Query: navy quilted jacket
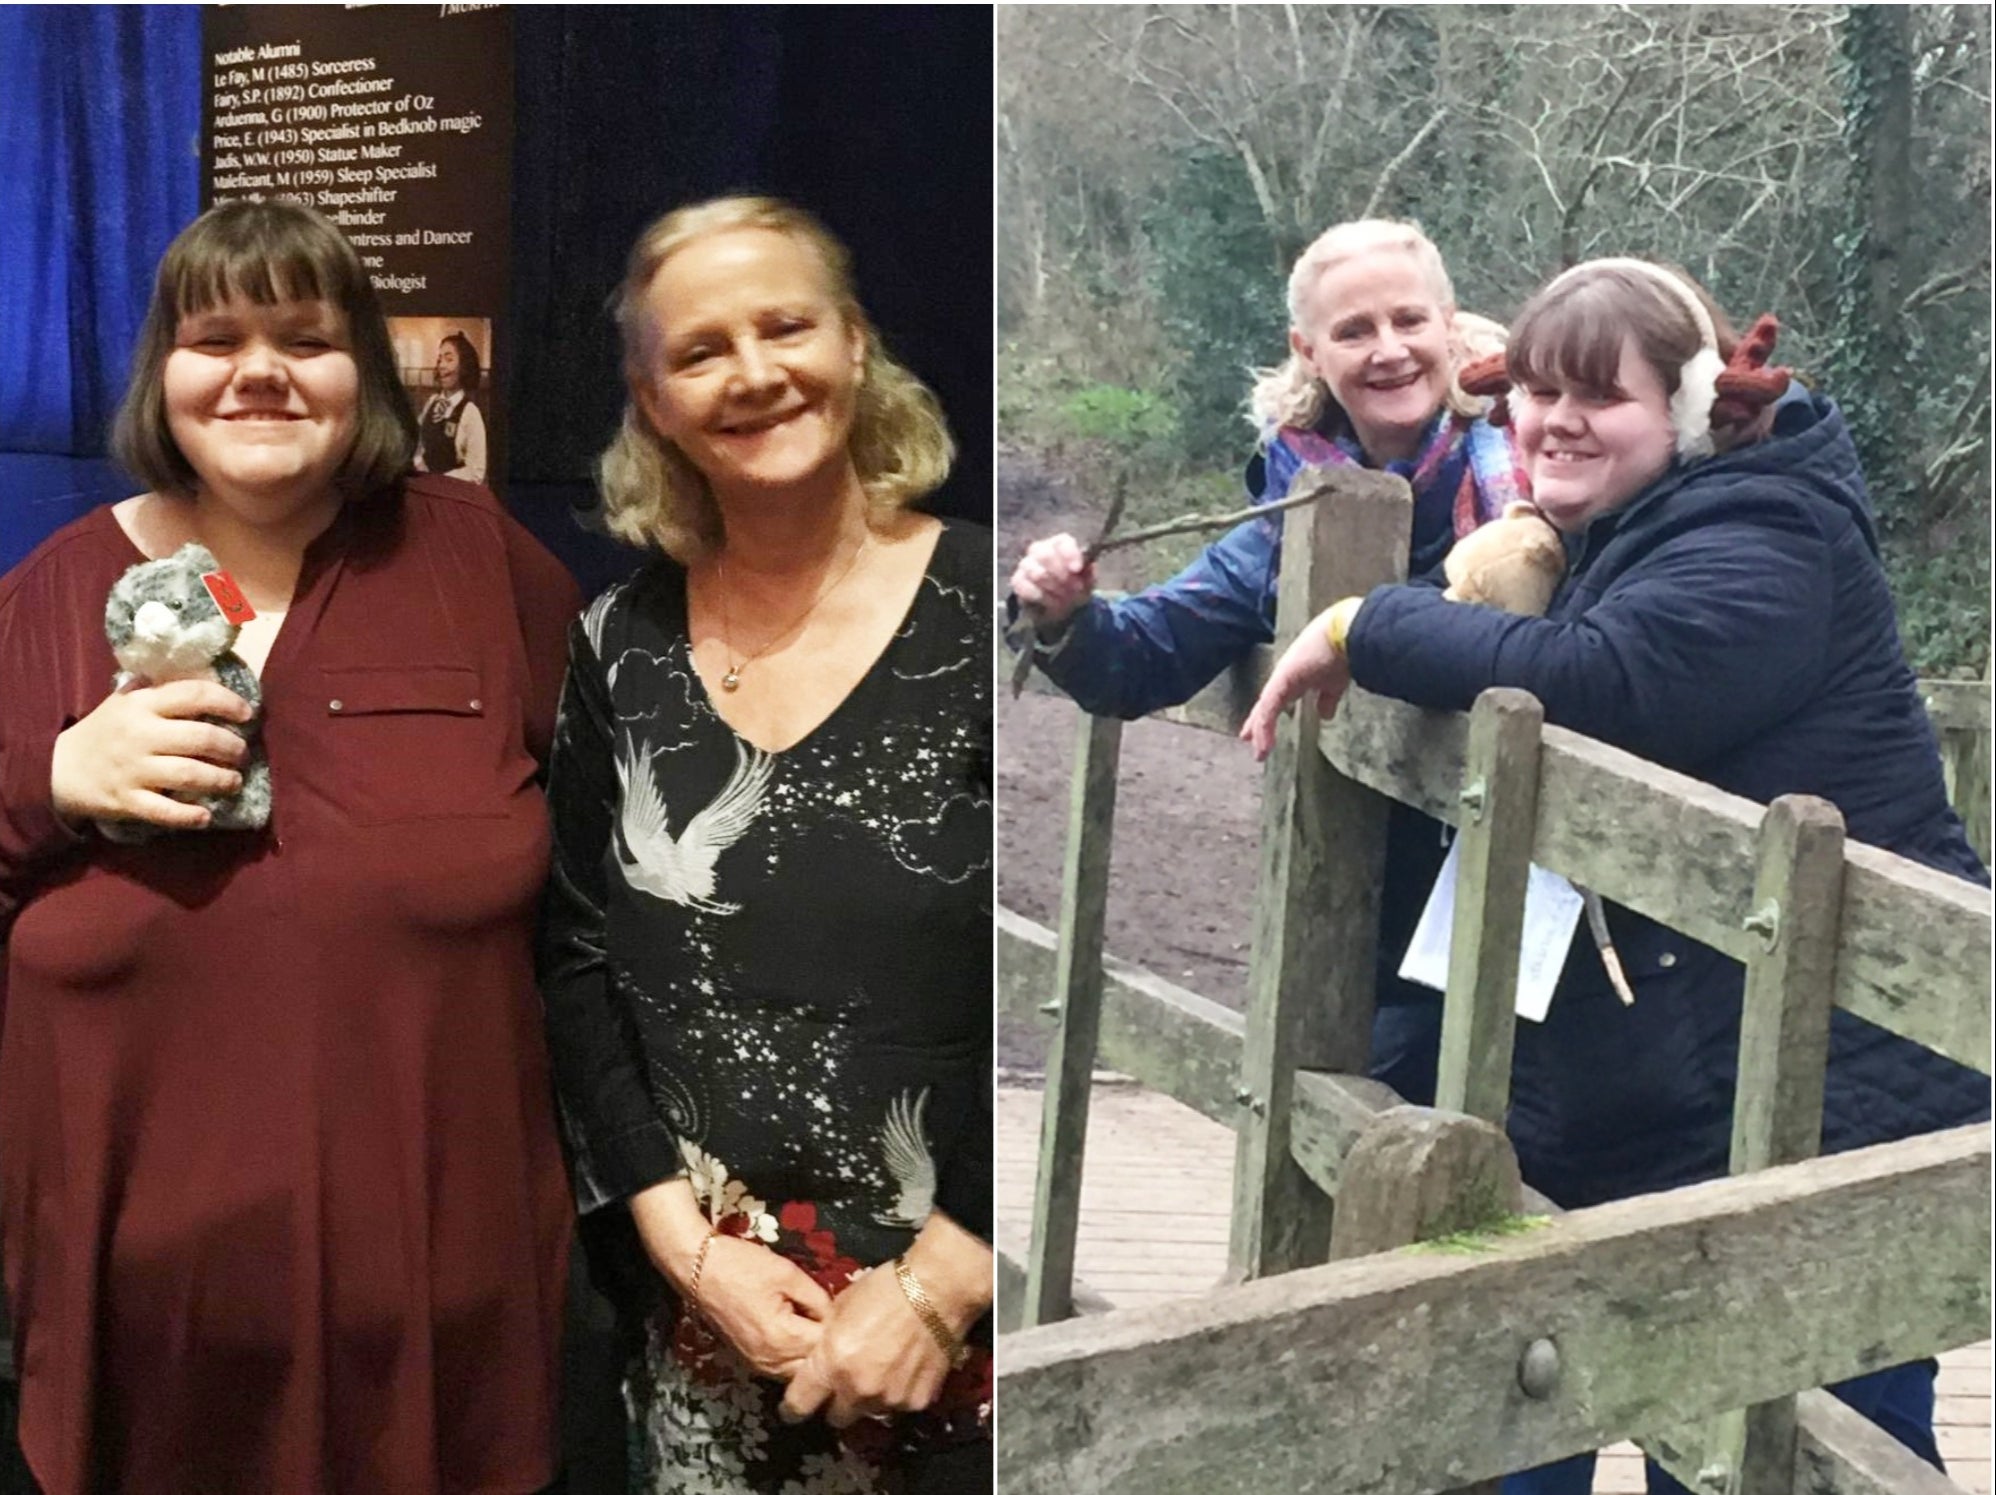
(1732, 623)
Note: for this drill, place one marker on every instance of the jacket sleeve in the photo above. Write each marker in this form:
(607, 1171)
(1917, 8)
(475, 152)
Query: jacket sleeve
(1157, 648)
(618, 1142)
(1720, 632)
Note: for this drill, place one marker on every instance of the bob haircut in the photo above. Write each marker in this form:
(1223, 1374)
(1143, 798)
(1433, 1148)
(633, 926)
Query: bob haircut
(652, 495)
(470, 372)
(1291, 394)
(265, 253)
(1570, 335)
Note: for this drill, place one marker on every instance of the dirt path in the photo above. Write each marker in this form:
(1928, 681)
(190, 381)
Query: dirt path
(1182, 874)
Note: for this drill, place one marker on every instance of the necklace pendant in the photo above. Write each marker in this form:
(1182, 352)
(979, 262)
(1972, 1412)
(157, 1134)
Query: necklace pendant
(732, 680)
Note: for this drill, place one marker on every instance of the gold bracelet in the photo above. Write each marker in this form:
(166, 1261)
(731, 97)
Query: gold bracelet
(925, 1310)
(1337, 622)
(699, 1266)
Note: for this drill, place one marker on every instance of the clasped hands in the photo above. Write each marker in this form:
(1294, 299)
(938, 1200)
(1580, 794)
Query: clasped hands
(861, 1354)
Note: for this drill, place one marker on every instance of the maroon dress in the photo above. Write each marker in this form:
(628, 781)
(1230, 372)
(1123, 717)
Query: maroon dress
(282, 1201)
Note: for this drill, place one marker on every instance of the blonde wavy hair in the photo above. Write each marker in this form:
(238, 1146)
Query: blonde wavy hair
(652, 495)
(1291, 394)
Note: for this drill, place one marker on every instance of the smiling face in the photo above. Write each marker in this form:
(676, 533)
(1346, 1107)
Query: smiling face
(263, 401)
(1377, 333)
(751, 370)
(449, 376)
(1590, 451)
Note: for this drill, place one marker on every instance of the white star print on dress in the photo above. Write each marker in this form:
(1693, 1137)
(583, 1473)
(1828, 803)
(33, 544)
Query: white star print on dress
(682, 870)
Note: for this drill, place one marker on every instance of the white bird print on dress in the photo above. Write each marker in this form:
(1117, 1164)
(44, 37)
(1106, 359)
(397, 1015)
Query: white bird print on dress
(682, 871)
(908, 1160)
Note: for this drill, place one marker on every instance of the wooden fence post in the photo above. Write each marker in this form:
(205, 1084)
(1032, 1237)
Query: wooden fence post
(1785, 1046)
(1084, 901)
(1500, 802)
(1316, 925)
(1419, 1175)
(1796, 913)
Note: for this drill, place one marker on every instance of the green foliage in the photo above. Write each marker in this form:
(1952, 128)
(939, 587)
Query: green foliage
(1829, 164)
(1033, 385)
(1129, 420)
(1943, 602)
(1219, 283)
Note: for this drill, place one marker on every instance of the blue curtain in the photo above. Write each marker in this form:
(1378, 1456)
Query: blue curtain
(100, 111)
(875, 117)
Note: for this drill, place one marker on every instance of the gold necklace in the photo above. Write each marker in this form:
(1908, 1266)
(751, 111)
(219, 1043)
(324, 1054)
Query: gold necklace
(733, 679)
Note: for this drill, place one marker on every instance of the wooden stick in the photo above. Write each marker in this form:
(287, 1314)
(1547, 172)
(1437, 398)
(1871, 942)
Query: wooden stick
(1022, 630)
(1192, 524)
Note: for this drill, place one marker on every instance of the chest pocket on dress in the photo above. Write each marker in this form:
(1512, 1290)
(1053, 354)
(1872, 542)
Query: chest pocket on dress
(418, 742)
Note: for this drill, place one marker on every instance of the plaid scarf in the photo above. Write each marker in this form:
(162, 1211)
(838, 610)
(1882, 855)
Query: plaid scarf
(1467, 469)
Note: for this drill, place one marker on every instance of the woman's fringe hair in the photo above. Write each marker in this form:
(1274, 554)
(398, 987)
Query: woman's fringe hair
(1291, 394)
(652, 495)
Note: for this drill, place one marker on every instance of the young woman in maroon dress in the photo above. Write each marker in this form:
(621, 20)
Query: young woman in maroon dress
(282, 1199)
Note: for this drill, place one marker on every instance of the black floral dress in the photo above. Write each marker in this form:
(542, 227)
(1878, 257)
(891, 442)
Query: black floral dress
(772, 972)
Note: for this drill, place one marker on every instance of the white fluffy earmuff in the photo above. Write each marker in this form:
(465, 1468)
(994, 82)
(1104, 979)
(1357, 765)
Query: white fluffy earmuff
(1698, 380)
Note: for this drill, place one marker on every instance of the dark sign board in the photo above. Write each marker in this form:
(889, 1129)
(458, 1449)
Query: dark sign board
(397, 123)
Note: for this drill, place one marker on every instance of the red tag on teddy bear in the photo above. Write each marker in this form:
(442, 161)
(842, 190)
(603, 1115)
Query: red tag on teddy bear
(228, 597)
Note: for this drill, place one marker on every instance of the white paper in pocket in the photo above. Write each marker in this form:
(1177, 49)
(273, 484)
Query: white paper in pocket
(1552, 913)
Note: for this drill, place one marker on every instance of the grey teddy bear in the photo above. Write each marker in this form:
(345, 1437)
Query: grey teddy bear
(164, 624)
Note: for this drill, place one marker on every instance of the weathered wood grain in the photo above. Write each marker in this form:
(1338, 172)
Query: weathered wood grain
(1784, 1052)
(1172, 1040)
(1316, 906)
(1009, 1308)
(1078, 993)
(1185, 1046)
(1916, 942)
(1688, 1303)
(1416, 1175)
(1957, 705)
(1419, 1175)
(1499, 800)
(1400, 751)
(1785, 1015)
(1839, 1452)
(1915, 955)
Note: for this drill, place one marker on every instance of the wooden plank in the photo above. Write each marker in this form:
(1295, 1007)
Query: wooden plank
(1171, 1040)
(1401, 751)
(1916, 942)
(1316, 907)
(1077, 990)
(1185, 1046)
(1500, 808)
(1400, 1371)
(1915, 953)
(1957, 705)
(1839, 1452)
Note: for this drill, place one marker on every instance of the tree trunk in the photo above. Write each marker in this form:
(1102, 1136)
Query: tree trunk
(1873, 382)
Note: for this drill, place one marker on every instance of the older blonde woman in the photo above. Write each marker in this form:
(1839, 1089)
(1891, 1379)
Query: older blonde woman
(1375, 340)
(767, 957)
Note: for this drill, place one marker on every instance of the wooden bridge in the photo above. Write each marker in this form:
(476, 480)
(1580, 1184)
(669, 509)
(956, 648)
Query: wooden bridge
(1696, 1322)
